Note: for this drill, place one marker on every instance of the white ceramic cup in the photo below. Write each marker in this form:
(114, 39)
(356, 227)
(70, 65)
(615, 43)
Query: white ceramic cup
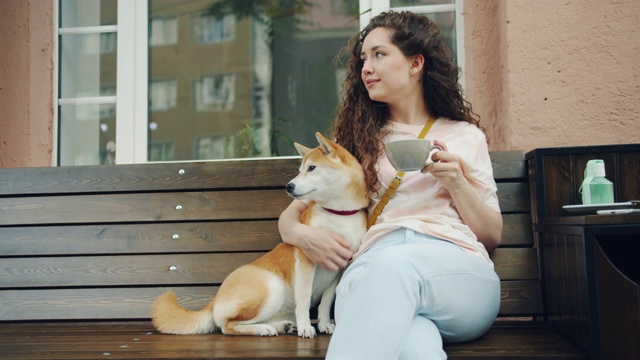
(410, 154)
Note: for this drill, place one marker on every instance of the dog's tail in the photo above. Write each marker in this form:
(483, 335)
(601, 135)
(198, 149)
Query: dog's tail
(171, 318)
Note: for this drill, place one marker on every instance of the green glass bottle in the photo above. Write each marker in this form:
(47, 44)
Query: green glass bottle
(600, 189)
(589, 172)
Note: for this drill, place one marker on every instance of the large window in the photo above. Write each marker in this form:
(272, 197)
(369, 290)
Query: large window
(168, 80)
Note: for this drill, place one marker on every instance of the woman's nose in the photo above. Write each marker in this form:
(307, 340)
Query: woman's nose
(366, 68)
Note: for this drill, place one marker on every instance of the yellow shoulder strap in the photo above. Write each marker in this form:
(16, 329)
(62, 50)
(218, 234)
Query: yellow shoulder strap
(393, 186)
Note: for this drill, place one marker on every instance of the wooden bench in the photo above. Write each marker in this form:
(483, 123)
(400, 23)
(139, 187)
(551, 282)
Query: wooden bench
(86, 249)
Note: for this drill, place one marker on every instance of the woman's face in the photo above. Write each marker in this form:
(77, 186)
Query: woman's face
(386, 71)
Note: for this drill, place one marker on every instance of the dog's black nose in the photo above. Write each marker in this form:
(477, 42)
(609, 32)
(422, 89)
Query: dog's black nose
(290, 187)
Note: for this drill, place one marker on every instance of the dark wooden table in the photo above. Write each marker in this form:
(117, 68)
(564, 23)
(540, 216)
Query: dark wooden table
(555, 175)
(596, 256)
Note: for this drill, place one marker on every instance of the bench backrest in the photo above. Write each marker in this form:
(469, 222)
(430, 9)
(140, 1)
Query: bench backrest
(101, 242)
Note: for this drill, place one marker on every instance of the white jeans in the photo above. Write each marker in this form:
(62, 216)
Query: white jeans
(408, 293)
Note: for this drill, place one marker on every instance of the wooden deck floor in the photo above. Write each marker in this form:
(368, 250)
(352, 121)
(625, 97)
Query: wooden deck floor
(140, 340)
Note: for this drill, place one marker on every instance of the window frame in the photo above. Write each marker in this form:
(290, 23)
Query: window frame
(132, 81)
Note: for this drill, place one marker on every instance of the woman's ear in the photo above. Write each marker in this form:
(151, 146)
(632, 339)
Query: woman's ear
(416, 63)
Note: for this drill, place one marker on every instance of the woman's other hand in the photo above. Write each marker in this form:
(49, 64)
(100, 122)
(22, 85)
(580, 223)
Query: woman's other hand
(322, 246)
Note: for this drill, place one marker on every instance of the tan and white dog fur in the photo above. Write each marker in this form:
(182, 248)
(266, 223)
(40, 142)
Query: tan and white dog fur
(273, 294)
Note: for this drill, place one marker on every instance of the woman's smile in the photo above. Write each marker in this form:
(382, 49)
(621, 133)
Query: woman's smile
(371, 82)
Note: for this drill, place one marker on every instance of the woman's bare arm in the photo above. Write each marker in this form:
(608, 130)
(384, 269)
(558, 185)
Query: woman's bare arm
(322, 246)
(485, 222)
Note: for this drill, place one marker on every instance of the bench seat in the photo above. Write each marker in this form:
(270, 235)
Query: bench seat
(139, 340)
(86, 249)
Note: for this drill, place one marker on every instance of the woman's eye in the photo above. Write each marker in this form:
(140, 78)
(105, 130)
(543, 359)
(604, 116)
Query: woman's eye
(311, 168)
(379, 54)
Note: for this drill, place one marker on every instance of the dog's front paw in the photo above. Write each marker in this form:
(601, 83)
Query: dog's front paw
(306, 331)
(285, 327)
(266, 330)
(326, 328)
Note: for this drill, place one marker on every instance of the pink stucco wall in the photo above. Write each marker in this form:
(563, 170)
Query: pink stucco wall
(540, 74)
(555, 73)
(486, 68)
(26, 72)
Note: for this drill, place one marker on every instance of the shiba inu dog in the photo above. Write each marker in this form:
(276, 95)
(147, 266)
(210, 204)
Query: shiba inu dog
(273, 294)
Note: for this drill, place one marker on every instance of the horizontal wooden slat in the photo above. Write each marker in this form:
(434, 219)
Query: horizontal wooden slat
(94, 303)
(149, 177)
(139, 238)
(79, 209)
(210, 205)
(517, 230)
(516, 263)
(519, 298)
(120, 270)
(510, 264)
(196, 176)
(191, 237)
(514, 197)
(508, 165)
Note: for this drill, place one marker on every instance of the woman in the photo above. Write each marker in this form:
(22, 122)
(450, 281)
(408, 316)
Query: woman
(423, 273)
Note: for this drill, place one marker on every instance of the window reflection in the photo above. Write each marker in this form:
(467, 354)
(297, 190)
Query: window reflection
(163, 31)
(215, 92)
(233, 79)
(163, 94)
(214, 28)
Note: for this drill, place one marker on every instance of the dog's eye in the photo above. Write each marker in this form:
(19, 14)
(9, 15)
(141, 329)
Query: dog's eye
(311, 168)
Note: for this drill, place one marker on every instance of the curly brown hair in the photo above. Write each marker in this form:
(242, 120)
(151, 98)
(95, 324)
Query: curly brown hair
(360, 119)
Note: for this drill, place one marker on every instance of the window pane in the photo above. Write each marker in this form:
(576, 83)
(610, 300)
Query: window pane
(446, 20)
(87, 134)
(401, 3)
(249, 79)
(77, 13)
(87, 65)
(447, 23)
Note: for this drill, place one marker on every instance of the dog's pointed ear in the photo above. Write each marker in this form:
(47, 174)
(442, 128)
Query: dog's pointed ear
(326, 144)
(302, 150)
